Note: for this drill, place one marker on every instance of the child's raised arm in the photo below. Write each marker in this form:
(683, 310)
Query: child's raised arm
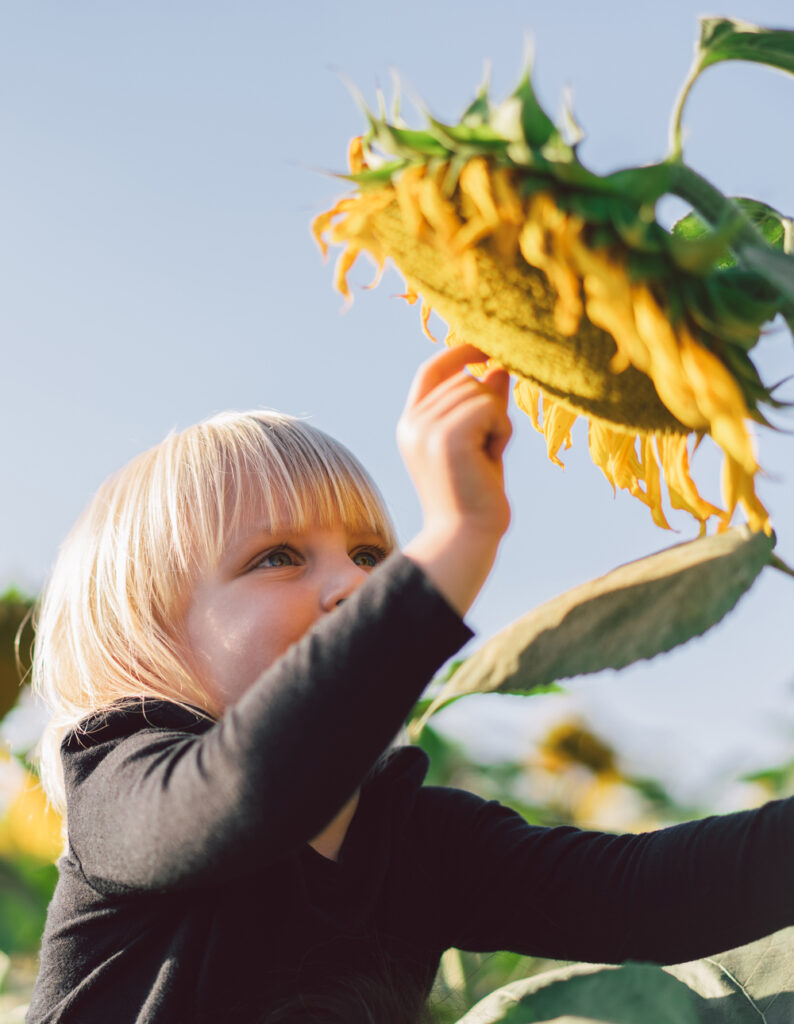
(452, 435)
(158, 803)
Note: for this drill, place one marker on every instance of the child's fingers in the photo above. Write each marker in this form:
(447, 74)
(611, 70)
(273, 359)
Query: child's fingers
(442, 366)
(461, 385)
(498, 438)
(467, 412)
(448, 394)
(462, 401)
(498, 380)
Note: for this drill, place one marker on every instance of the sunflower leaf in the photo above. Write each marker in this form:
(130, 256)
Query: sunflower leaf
(406, 142)
(724, 39)
(479, 110)
(701, 253)
(480, 137)
(771, 223)
(536, 125)
(590, 994)
(728, 39)
(634, 612)
(376, 175)
(640, 184)
(773, 226)
(749, 984)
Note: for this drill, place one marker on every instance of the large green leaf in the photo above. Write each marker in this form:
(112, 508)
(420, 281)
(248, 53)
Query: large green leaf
(590, 994)
(636, 611)
(753, 984)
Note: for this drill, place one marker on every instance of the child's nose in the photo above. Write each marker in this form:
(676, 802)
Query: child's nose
(343, 583)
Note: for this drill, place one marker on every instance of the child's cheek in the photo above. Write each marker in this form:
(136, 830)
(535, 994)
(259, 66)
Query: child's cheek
(252, 639)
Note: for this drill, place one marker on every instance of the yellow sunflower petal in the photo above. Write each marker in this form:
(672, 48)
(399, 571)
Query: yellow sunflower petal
(738, 488)
(355, 155)
(438, 211)
(344, 264)
(475, 184)
(683, 493)
(557, 423)
(653, 487)
(406, 187)
(527, 398)
(511, 214)
(426, 311)
(719, 399)
(322, 223)
(666, 369)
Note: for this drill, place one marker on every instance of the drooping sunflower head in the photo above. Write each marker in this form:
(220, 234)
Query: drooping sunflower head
(566, 278)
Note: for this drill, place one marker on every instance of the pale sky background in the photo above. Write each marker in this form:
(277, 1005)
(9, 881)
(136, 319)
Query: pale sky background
(161, 163)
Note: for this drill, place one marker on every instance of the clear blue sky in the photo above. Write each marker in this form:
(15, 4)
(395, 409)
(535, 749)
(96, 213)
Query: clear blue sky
(161, 164)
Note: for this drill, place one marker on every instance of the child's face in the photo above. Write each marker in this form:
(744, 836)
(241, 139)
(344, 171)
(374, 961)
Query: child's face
(267, 590)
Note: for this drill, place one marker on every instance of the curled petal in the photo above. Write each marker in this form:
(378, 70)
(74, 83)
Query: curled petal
(438, 211)
(406, 187)
(557, 423)
(426, 311)
(666, 369)
(355, 155)
(527, 397)
(653, 487)
(322, 223)
(720, 400)
(343, 266)
(475, 183)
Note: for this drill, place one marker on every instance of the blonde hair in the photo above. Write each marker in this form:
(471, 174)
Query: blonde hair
(108, 626)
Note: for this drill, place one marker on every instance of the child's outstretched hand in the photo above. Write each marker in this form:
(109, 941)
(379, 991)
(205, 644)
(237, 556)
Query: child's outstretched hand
(452, 434)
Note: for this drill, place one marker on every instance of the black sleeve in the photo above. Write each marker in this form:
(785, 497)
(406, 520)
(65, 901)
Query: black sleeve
(162, 808)
(669, 896)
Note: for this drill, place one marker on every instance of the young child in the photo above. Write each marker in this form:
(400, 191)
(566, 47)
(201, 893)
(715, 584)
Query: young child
(229, 644)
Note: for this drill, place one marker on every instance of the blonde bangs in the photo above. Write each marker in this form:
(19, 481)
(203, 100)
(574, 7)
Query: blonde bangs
(279, 473)
(109, 624)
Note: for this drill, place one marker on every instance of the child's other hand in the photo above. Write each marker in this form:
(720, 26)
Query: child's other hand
(452, 434)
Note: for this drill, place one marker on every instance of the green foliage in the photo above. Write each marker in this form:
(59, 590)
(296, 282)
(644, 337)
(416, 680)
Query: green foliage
(775, 229)
(748, 985)
(727, 39)
(26, 887)
(724, 39)
(632, 994)
(465, 979)
(741, 986)
(15, 609)
(636, 611)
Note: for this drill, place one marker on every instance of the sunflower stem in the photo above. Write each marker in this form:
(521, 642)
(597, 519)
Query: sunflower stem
(713, 205)
(676, 143)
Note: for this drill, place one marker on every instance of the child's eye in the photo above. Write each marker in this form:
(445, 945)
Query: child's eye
(369, 557)
(278, 558)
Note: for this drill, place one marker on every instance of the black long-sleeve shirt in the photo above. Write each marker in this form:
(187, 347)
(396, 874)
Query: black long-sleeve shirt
(189, 891)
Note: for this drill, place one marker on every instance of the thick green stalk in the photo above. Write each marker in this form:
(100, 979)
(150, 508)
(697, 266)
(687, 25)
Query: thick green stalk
(716, 208)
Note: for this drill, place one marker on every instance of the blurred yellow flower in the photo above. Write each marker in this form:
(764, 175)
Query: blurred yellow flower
(28, 824)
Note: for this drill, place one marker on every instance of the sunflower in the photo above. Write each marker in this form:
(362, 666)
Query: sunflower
(566, 279)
